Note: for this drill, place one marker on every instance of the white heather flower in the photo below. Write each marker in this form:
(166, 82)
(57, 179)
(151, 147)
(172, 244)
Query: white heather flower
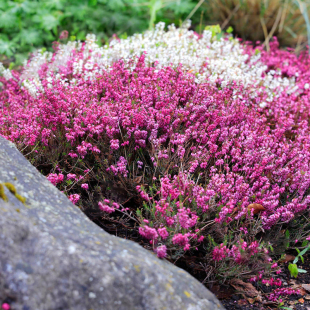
(7, 74)
(89, 66)
(306, 86)
(209, 58)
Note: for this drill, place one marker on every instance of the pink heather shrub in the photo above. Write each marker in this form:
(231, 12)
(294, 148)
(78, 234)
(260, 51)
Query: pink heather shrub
(180, 154)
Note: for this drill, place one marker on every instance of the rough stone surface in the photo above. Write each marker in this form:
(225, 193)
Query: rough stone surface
(53, 257)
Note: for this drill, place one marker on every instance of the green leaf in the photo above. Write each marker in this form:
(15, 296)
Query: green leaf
(303, 251)
(11, 66)
(155, 5)
(92, 2)
(7, 48)
(8, 20)
(30, 36)
(49, 21)
(230, 29)
(293, 270)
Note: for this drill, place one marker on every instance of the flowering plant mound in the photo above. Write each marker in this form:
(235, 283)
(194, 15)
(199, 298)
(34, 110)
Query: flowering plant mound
(211, 162)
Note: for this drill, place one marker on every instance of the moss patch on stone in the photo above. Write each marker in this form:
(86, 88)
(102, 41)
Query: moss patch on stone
(20, 198)
(2, 193)
(12, 189)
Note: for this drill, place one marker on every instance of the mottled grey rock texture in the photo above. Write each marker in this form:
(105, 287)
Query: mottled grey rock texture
(53, 257)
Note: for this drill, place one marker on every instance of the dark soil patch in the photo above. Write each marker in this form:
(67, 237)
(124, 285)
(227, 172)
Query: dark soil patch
(293, 302)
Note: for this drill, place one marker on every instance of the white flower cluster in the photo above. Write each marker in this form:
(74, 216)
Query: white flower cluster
(5, 72)
(208, 57)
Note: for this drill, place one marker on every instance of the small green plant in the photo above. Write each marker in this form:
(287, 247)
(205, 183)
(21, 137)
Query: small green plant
(292, 267)
(300, 254)
(215, 30)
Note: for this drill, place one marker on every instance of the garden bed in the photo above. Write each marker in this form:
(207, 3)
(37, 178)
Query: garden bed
(195, 146)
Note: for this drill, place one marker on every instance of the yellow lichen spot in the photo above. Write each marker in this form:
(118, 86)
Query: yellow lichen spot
(169, 288)
(137, 267)
(2, 193)
(10, 187)
(97, 242)
(20, 198)
(187, 294)
(81, 261)
(17, 210)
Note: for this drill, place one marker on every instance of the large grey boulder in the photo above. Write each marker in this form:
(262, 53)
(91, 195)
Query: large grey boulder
(53, 257)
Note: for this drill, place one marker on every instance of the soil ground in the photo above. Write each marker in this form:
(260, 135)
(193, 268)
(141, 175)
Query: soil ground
(232, 300)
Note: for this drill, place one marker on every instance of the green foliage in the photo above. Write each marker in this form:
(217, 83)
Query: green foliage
(26, 25)
(215, 30)
(293, 270)
(300, 255)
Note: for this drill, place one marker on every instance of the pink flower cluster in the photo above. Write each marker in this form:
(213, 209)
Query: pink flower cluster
(108, 206)
(55, 178)
(284, 291)
(74, 198)
(240, 252)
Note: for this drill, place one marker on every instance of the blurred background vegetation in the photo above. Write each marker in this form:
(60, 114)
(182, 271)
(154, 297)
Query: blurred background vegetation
(26, 25)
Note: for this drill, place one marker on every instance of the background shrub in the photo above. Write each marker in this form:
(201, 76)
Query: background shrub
(26, 25)
(260, 20)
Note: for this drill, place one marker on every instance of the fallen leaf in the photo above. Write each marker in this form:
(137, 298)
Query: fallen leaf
(251, 300)
(306, 287)
(246, 288)
(301, 300)
(257, 207)
(307, 297)
(287, 258)
(302, 292)
(272, 303)
(137, 179)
